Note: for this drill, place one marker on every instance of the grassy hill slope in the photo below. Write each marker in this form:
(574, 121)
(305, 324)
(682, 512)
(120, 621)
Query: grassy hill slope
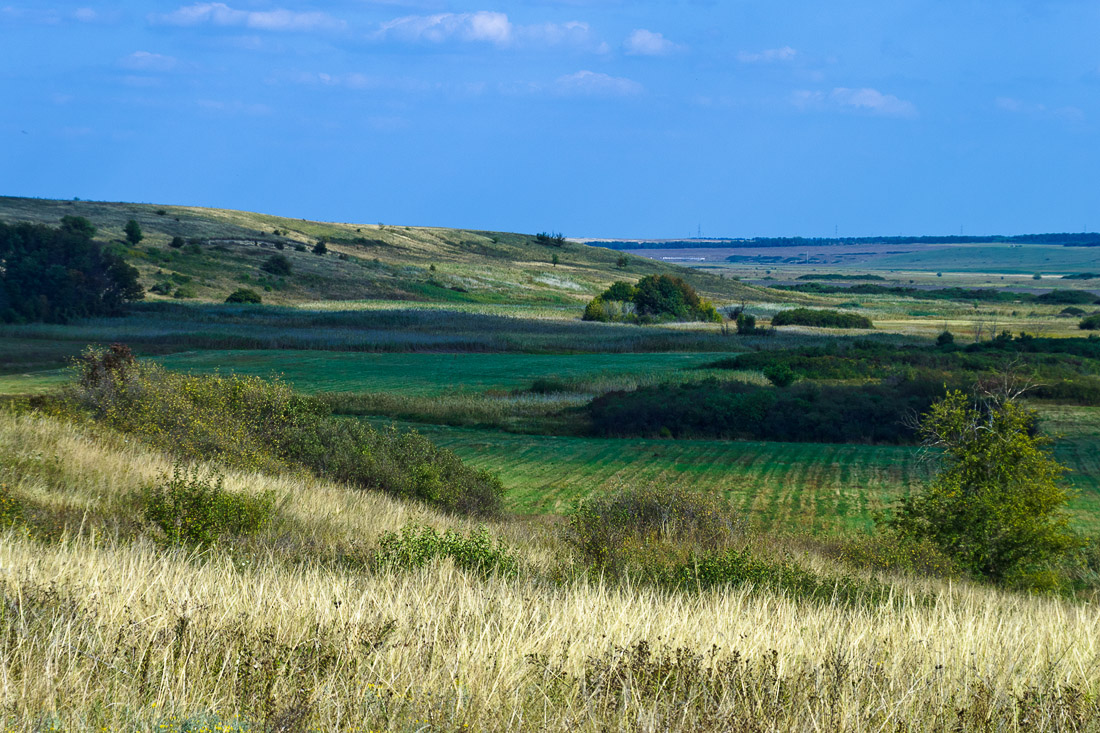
(225, 250)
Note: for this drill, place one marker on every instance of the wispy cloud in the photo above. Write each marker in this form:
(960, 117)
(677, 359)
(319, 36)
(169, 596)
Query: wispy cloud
(642, 42)
(865, 99)
(146, 61)
(220, 14)
(596, 84)
(486, 26)
(767, 56)
(47, 16)
(1017, 106)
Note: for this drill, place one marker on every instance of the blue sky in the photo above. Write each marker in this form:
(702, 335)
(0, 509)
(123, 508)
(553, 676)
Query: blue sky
(589, 117)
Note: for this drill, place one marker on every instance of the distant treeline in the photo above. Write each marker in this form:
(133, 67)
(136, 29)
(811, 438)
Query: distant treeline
(1054, 297)
(1082, 239)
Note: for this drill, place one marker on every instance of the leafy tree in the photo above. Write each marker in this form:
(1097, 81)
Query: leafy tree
(133, 232)
(746, 324)
(177, 243)
(622, 261)
(668, 295)
(946, 338)
(320, 248)
(780, 375)
(1090, 323)
(244, 295)
(554, 259)
(79, 225)
(619, 290)
(55, 275)
(997, 506)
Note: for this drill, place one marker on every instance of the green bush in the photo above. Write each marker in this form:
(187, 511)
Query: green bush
(133, 232)
(820, 319)
(636, 529)
(654, 298)
(1090, 323)
(780, 375)
(415, 546)
(195, 509)
(244, 295)
(276, 265)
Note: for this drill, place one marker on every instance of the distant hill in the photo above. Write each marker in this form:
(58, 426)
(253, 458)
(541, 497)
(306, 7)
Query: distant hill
(220, 250)
(1064, 239)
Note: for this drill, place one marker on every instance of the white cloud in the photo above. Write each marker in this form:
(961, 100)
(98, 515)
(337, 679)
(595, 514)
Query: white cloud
(1017, 106)
(86, 15)
(648, 43)
(221, 14)
(866, 99)
(482, 26)
(596, 84)
(145, 61)
(486, 26)
(767, 56)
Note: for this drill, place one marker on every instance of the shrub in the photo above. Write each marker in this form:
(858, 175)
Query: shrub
(195, 509)
(162, 288)
(276, 265)
(415, 546)
(946, 338)
(299, 248)
(820, 319)
(656, 297)
(176, 243)
(780, 375)
(133, 232)
(244, 295)
(997, 506)
(746, 324)
(320, 248)
(1090, 323)
(184, 291)
(628, 529)
(280, 246)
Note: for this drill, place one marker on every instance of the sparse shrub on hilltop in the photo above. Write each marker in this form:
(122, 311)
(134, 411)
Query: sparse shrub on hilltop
(252, 423)
(820, 319)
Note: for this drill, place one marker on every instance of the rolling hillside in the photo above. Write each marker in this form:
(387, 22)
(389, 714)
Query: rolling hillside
(223, 250)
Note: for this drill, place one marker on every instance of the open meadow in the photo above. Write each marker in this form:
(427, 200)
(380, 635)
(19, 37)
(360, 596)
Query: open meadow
(413, 490)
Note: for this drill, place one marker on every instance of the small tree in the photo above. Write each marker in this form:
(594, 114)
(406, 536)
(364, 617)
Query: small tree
(997, 506)
(320, 248)
(133, 232)
(554, 259)
(277, 265)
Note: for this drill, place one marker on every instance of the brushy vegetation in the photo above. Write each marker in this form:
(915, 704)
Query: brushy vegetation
(655, 298)
(1090, 323)
(194, 508)
(1063, 369)
(804, 412)
(820, 319)
(252, 423)
(414, 546)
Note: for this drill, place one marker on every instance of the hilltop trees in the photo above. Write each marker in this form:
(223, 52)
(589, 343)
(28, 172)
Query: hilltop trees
(654, 298)
(55, 275)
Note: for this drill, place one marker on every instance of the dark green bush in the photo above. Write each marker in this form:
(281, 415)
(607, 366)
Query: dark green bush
(820, 319)
(654, 298)
(1090, 323)
(1066, 297)
(245, 296)
(276, 265)
(195, 509)
(176, 243)
(416, 546)
(780, 375)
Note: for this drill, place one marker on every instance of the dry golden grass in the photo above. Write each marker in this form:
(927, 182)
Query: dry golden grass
(100, 630)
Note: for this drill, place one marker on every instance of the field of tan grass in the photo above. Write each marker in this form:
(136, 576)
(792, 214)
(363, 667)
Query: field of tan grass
(104, 629)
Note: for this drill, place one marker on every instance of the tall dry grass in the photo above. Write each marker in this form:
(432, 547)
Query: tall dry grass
(108, 630)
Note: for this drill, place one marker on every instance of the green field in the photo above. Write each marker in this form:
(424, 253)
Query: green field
(788, 486)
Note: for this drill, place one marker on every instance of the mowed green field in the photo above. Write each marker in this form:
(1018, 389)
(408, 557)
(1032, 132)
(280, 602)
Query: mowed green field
(788, 486)
(425, 374)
